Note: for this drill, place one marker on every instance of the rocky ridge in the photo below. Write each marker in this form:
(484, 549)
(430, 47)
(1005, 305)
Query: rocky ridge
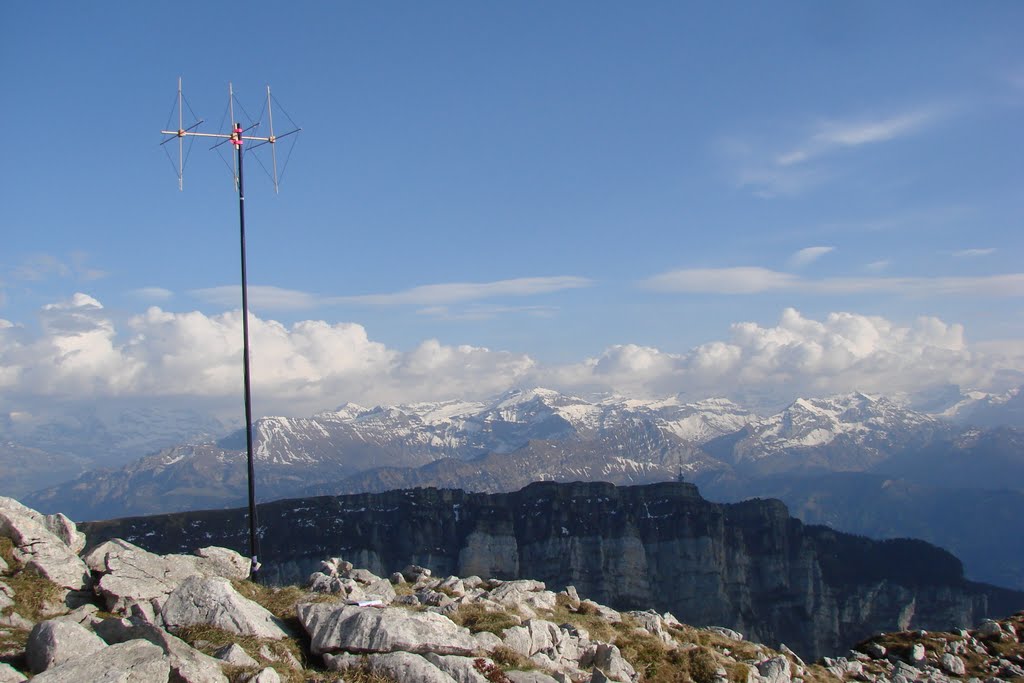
(748, 566)
(135, 615)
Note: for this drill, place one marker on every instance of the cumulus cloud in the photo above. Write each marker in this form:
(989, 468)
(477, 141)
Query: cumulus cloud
(808, 255)
(800, 356)
(81, 354)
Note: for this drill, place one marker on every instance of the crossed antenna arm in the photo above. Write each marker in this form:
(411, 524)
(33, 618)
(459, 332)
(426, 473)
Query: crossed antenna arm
(236, 136)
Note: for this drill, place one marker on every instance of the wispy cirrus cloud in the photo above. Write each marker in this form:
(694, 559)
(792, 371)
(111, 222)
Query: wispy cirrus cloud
(43, 266)
(967, 253)
(754, 280)
(265, 297)
(808, 255)
(829, 136)
(485, 312)
(152, 293)
(458, 292)
(434, 298)
(768, 172)
(736, 280)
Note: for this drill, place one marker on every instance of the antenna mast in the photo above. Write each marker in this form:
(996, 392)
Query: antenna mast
(237, 137)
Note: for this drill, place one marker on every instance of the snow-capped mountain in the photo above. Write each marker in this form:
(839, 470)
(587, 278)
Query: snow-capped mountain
(614, 438)
(519, 437)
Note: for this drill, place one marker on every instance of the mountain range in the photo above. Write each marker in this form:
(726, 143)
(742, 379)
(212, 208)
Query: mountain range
(831, 459)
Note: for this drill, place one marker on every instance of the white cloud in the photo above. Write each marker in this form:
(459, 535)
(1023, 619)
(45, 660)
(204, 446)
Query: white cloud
(808, 255)
(457, 292)
(769, 173)
(753, 280)
(831, 135)
(877, 266)
(43, 266)
(434, 298)
(975, 252)
(80, 354)
(263, 297)
(804, 357)
(152, 293)
(737, 280)
(485, 312)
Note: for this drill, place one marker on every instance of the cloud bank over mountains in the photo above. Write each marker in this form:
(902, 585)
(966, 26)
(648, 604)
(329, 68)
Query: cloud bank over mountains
(81, 354)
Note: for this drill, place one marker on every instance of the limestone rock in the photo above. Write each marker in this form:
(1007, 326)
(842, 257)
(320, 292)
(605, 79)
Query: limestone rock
(8, 674)
(726, 632)
(609, 660)
(462, 669)
(52, 643)
(333, 628)
(267, 675)
(4, 569)
(529, 677)
(187, 664)
(59, 525)
(953, 664)
(37, 547)
(401, 666)
(213, 601)
(606, 613)
(989, 629)
(15, 620)
(775, 670)
(132, 575)
(235, 655)
(128, 662)
(224, 562)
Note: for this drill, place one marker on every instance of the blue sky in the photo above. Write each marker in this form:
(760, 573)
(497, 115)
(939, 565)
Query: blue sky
(546, 185)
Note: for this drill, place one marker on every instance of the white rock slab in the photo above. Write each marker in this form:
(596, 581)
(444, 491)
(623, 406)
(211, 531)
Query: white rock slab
(213, 601)
(334, 628)
(54, 642)
(129, 662)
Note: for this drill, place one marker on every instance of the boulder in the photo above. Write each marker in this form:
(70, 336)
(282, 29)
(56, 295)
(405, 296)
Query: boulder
(401, 666)
(953, 664)
(606, 613)
(128, 662)
(54, 642)
(188, 665)
(726, 632)
(462, 669)
(609, 660)
(235, 655)
(132, 575)
(529, 677)
(775, 670)
(8, 674)
(224, 562)
(38, 548)
(267, 675)
(989, 629)
(333, 628)
(413, 573)
(213, 601)
(59, 525)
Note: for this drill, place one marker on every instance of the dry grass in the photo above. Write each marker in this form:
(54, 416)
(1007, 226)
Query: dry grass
(34, 595)
(477, 618)
(508, 658)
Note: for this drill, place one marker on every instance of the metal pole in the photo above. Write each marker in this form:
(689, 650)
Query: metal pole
(253, 543)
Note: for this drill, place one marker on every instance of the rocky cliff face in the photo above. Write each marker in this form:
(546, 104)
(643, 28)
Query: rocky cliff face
(747, 565)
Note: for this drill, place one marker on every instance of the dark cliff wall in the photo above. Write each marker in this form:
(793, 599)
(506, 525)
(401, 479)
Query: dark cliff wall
(748, 566)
